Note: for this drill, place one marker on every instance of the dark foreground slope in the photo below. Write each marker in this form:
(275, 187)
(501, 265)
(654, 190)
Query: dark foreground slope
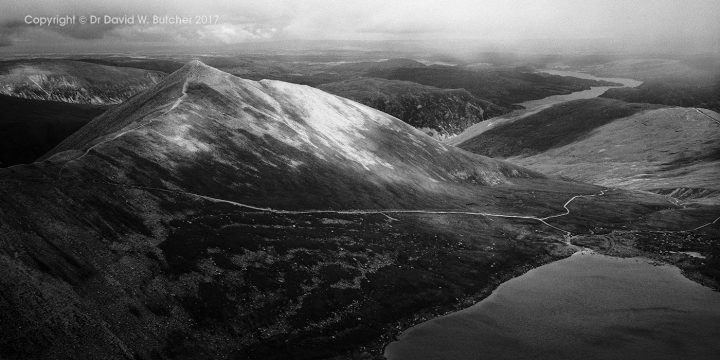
(30, 128)
(216, 217)
(669, 150)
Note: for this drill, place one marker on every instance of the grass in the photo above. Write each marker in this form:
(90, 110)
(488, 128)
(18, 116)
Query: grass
(551, 128)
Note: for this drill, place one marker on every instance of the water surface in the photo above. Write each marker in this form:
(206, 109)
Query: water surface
(587, 306)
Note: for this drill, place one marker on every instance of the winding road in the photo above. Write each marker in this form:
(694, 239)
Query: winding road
(383, 212)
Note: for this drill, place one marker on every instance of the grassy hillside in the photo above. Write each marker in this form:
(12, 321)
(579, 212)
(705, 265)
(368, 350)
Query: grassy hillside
(673, 92)
(693, 82)
(669, 150)
(552, 128)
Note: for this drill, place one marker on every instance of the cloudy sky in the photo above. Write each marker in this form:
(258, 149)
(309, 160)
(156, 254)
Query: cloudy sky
(240, 21)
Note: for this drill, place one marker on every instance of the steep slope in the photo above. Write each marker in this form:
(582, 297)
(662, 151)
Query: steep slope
(217, 217)
(616, 144)
(73, 81)
(30, 128)
(439, 112)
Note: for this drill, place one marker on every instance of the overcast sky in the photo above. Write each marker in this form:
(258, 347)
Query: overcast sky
(261, 20)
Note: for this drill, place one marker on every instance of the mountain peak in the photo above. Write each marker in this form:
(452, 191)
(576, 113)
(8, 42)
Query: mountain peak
(195, 66)
(200, 120)
(195, 70)
(195, 62)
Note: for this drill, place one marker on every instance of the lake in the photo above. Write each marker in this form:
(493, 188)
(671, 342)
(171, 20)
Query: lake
(587, 306)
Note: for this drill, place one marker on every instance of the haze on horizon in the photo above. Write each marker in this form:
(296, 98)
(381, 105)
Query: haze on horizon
(665, 25)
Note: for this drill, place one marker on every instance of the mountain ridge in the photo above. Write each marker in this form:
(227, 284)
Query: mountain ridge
(73, 81)
(307, 126)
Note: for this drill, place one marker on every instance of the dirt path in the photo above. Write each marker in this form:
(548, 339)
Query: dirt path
(383, 212)
(711, 118)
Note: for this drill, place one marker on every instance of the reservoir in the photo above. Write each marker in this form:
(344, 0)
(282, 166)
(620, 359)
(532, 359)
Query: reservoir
(587, 306)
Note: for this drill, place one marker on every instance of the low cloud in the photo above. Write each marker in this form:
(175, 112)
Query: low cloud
(488, 20)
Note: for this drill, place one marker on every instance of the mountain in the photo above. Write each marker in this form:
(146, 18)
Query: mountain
(670, 150)
(30, 128)
(336, 145)
(439, 112)
(73, 81)
(216, 217)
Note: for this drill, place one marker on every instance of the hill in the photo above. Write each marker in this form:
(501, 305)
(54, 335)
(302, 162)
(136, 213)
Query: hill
(691, 82)
(615, 144)
(73, 81)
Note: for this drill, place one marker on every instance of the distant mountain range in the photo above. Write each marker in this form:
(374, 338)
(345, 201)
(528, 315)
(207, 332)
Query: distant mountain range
(73, 81)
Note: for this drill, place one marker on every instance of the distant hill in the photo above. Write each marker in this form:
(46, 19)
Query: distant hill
(161, 65)
(72, 81)
(370, 66)
(557, 126)
(694, 82)
(673, 92)
(669, 150)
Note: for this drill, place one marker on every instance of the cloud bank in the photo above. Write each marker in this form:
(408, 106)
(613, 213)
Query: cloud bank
(251, 21)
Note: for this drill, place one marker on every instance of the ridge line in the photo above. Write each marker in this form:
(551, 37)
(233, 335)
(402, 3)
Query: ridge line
(173, 107)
